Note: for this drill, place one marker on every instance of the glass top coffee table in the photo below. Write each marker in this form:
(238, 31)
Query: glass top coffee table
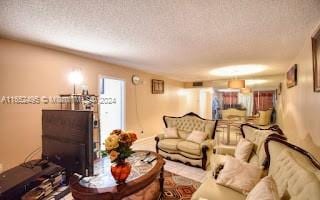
(145, 180)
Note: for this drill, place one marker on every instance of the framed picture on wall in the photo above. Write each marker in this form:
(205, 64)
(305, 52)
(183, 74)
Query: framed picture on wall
(292, 76)
(157, 86)
(316, 61)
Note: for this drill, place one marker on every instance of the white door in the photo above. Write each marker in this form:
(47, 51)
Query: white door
(111, 106)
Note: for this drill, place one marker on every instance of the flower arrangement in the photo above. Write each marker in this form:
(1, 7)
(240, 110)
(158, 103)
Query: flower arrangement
(118, 145)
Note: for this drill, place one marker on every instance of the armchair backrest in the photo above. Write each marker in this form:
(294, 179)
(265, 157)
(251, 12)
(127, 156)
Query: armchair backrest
(258, 137)
(189, 122)
(264, 117)
(295, 171)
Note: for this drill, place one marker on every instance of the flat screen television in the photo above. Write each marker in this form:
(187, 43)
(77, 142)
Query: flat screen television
(67, 140)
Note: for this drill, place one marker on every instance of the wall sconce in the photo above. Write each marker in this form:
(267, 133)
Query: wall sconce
(75, 78)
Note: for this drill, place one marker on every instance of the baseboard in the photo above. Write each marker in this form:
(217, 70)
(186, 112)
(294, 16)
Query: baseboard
(144, 139)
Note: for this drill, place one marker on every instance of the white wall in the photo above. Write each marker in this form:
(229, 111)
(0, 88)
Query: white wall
(299, 107)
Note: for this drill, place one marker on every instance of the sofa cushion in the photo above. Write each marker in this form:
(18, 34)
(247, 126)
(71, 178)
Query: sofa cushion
(243, 150)
(189, 147)
(170, 144)
(239, 175)
(171, 132)
(209, 190)
(266, 189)
(197, 136)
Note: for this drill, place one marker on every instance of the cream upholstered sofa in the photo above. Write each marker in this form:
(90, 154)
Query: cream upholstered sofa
(180, 149)
(295, 171)
(232, 113)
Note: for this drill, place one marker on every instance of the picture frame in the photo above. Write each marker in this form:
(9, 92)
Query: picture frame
(316, 60)
(292, 76)
(157, 86)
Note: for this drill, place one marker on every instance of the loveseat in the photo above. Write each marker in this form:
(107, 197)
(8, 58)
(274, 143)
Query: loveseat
(182, 150)
(295, 172)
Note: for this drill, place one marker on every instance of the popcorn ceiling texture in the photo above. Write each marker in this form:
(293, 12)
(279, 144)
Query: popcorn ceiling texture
(181, 39)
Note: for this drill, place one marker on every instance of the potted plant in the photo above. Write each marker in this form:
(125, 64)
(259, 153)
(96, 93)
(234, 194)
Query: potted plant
(118, 148)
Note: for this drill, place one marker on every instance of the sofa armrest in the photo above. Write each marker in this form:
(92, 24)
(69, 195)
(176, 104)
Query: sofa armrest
(225, 150)
(209, 143)
(159, 137)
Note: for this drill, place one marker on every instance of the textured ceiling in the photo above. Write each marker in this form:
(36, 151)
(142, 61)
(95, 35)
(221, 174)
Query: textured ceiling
(181, 39)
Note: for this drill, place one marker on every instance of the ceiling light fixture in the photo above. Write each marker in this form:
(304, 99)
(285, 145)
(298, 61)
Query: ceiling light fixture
(236, 84)
(245, 90)
(238, 70)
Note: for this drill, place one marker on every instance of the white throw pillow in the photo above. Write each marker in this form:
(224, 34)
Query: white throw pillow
(266, 189)
(171, 132)
(243, 150)
(239, 175)
(197, 136)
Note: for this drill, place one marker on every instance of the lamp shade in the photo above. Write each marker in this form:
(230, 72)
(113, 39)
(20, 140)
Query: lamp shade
(236, 84)
(245, 90)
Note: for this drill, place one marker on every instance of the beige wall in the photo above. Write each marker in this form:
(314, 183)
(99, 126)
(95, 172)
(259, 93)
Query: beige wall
(299, 107)
(30, 70)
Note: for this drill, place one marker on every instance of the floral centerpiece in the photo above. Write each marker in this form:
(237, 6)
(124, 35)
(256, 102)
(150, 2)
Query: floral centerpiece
(118, 148)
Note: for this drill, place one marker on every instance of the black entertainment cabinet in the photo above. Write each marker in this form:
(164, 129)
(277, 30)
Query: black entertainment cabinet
(18, 180)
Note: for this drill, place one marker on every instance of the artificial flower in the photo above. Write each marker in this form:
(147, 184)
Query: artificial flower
(112, 142)
(124, 138)
(114, 155)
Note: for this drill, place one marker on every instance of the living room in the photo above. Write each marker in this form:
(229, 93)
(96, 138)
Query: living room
(168, 55)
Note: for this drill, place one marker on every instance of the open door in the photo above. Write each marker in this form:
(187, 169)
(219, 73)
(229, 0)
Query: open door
(111, 106)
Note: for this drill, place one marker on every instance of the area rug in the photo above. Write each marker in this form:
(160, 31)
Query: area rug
(178, 187)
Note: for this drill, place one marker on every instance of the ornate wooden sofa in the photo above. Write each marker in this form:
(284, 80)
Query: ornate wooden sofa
(179, 149)
(295, 171)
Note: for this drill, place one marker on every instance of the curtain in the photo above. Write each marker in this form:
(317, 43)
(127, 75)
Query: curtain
(246, 101)
(230, 99)
(263, 100)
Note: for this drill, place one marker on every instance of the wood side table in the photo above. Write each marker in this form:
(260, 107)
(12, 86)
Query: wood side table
(144, 182)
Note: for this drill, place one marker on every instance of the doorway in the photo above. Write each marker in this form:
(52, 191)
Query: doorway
(112, 106)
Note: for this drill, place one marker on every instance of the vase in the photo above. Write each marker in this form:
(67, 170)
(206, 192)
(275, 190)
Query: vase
(120, 171)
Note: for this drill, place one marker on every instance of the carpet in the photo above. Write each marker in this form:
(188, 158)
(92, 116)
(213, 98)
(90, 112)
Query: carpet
(178, 187)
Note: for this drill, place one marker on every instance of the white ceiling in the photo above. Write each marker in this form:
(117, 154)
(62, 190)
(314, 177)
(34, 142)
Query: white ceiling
(181, 39)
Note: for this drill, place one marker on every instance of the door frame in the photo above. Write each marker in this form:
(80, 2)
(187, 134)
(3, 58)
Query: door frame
(123, 101)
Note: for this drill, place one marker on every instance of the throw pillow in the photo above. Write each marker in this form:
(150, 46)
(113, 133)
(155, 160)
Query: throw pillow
(239, 175)
(266, 189)
(197, 136)
(171, 132)
(243, 150)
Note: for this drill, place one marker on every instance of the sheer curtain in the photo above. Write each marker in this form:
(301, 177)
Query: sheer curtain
(246, 101)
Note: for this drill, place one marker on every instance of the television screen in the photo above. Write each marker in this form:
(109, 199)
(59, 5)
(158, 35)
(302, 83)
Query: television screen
(67, 140)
